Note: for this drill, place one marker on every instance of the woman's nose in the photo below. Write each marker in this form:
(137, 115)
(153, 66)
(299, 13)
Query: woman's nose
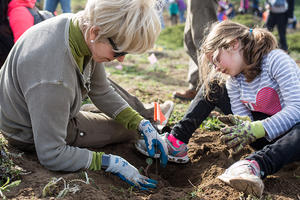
(121, 58)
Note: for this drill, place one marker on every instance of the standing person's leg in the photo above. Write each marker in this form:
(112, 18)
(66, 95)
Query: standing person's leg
(193, 75)
(282, 21)
(181, 16)
(50, 5)
(96, 130)
(192, 79)
(161, 18)
(65, 6)
(173, 19)
(206, 10)
(271, 21)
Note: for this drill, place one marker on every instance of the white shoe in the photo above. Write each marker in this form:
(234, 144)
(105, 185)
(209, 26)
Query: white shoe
(166, 109)
(245, 177)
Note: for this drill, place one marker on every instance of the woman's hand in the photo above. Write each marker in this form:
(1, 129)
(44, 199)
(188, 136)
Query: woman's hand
(153, 140)
(123, 169)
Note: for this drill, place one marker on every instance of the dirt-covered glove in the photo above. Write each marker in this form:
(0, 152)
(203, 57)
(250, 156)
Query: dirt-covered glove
(123, 169)
(240, 135)
(154, 141)
(232, 120)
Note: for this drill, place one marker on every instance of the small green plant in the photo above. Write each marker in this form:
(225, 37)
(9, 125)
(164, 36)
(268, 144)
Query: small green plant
(9, 172)
(212, 124)
(143, 170)
(6, 186)
(196, 192)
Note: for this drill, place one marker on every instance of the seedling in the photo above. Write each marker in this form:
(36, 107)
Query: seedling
(197, 190)
(51, 188)
(143, 170)
(8, 185)
(9, 172)
(212, 124)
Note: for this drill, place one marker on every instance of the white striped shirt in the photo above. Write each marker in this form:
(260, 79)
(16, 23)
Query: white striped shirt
(275, 91)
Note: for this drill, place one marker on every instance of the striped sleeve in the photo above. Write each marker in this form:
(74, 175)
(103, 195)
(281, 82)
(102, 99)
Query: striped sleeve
(285, 72)
(237, 107)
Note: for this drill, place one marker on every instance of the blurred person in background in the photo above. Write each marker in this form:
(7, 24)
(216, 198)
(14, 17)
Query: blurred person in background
(173, 9)
(51, 5)
(230, 11)
(222, 7)
(199, 15)
(182, 8)
(244, 5)
(280, 13)
(16, 17)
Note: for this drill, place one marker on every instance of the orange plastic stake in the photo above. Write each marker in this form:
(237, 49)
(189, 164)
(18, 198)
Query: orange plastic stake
(155, 111)
(160, 115)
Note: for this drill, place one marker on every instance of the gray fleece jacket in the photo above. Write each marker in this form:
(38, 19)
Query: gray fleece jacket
(42, 88)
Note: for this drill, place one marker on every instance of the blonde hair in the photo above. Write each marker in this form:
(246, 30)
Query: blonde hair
(133, 25)
(255, 43)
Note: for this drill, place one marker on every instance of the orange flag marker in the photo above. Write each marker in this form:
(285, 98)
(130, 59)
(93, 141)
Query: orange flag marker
(158, 115)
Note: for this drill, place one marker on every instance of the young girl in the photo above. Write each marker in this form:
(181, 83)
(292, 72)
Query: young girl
(246, 75)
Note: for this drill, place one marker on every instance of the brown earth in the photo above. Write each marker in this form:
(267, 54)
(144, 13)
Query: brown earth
(194, 180)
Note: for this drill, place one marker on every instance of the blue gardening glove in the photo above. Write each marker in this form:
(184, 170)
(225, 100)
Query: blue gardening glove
(153, 140)
(120, 167)
(242, 134)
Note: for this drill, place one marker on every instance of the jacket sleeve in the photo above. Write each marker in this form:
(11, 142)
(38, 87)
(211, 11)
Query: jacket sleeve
(49, 106)
(103, 95)
(20, 19)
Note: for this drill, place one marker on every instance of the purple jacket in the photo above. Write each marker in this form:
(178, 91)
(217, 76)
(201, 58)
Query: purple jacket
(181, 5)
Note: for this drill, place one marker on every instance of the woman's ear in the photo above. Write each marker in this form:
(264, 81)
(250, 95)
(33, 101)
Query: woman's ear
(93, 33)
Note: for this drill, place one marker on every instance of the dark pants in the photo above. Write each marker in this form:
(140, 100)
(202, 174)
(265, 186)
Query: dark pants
(283, 151)
(271, 156)
(174, 19)
(280, 20)
(199, 110)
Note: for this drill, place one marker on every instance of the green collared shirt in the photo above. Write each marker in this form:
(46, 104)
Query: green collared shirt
(79, 48)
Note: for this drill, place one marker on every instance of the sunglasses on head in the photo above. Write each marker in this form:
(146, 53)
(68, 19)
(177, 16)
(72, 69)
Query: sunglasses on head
(114, 46)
